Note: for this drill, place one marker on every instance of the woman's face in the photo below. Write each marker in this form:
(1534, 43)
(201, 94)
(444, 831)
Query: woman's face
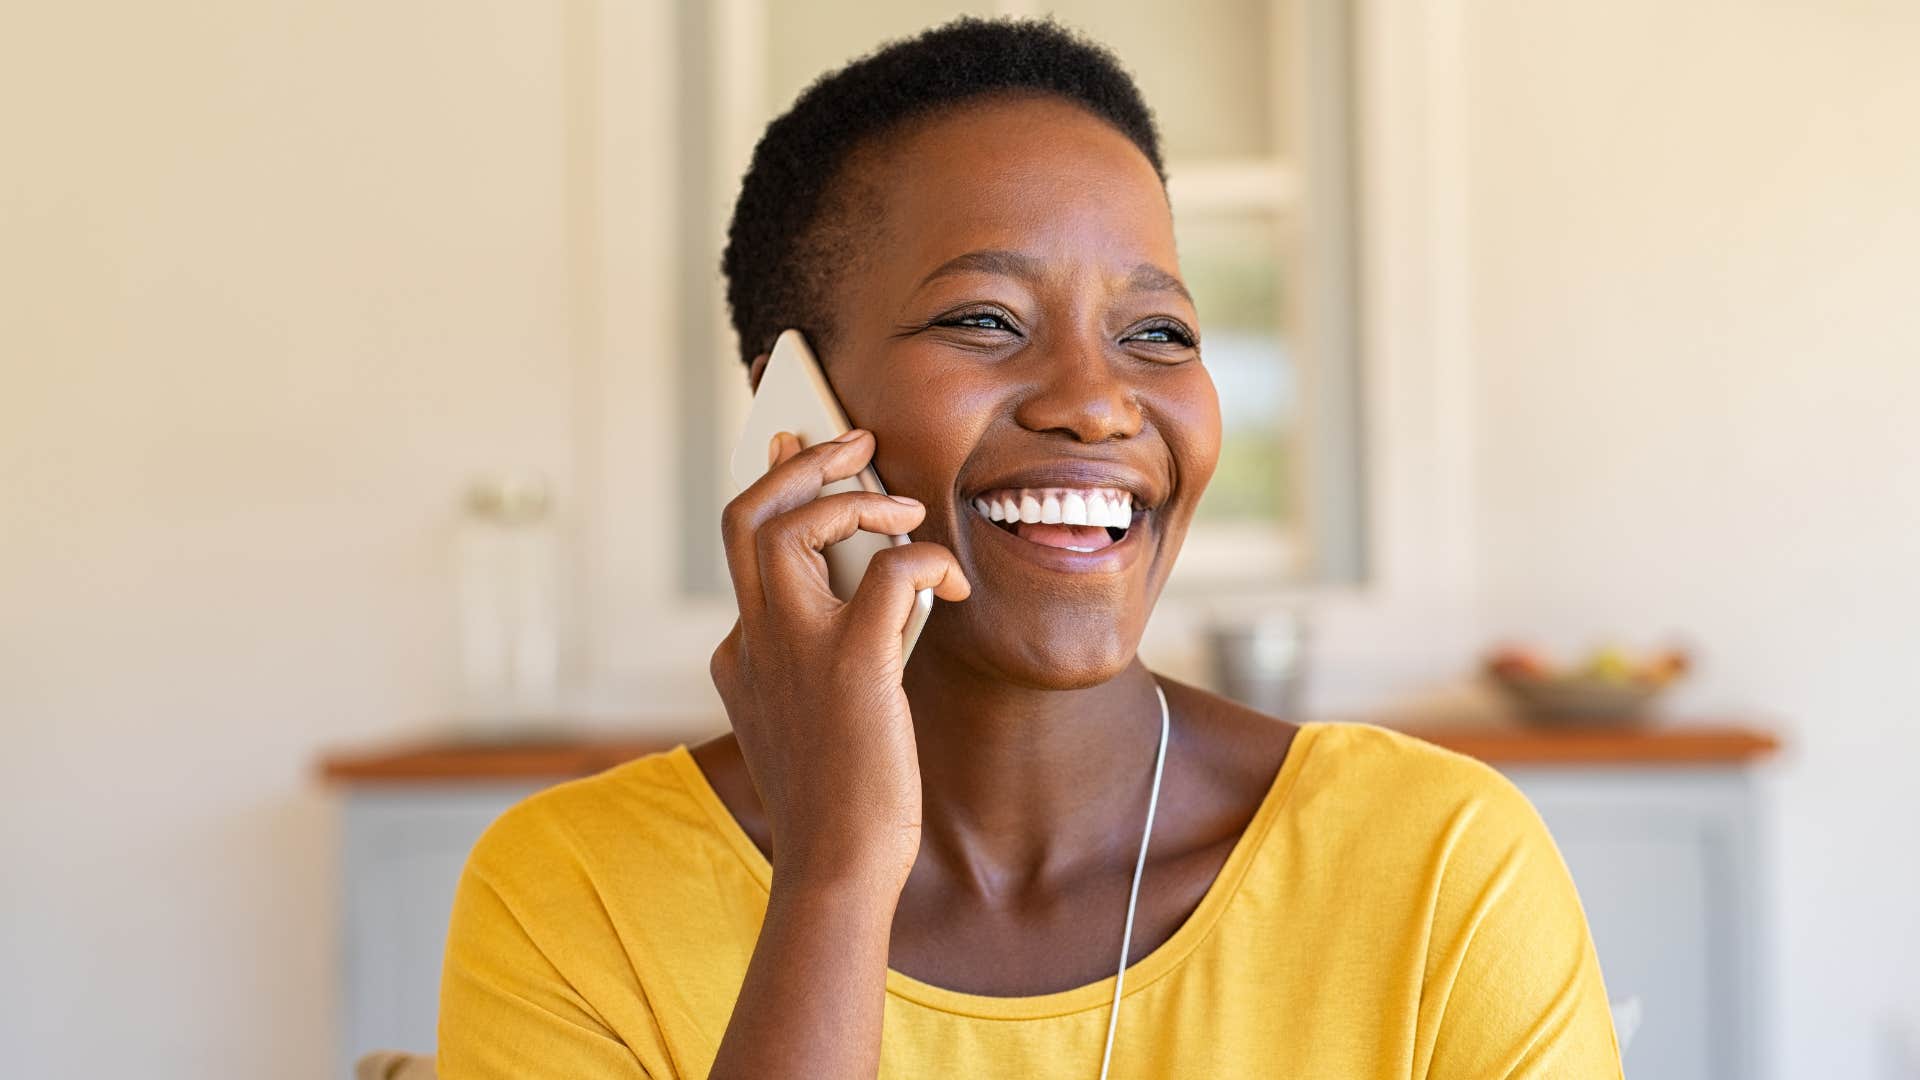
(1014, 328)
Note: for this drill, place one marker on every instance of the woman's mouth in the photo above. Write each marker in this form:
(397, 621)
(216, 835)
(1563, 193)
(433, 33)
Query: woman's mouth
(1073, 519)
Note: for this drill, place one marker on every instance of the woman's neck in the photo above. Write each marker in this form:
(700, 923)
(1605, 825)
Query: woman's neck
(1021, 786)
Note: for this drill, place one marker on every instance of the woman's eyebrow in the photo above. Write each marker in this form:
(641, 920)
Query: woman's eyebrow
(1145, 277)
(987, 261)
(1149, 278)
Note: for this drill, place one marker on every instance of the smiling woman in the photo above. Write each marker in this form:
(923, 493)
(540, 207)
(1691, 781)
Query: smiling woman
(928, 868)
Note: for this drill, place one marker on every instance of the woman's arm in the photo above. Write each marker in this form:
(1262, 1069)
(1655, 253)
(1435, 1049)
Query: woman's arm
(506, 1011)
(812, 688)
(1513, 987)
(812, 999)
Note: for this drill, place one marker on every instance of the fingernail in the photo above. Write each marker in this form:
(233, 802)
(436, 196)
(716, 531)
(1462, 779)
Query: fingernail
(905, 500)
(849, 436)
(773, 448)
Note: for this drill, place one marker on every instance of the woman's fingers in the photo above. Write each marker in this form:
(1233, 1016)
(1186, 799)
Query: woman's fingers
(724, 665)
(776, 530)
(792, 570)
(885, 597)
(794, 479)
(785, 444)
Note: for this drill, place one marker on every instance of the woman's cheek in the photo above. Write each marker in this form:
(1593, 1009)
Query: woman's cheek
(1193, 430)
(924, 434)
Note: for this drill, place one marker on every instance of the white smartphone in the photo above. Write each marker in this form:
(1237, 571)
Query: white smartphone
(794, 395)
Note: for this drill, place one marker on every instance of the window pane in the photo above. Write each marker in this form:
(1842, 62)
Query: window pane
(1209, 69)
(1234, 264)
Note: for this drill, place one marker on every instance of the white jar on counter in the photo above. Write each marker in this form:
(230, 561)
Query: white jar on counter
(507, 581)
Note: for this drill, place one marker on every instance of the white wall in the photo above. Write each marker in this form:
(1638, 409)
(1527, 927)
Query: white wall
(276, 279)
(1695, 233)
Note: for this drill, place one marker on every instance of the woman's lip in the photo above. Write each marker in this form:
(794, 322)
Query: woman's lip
(1115, 558)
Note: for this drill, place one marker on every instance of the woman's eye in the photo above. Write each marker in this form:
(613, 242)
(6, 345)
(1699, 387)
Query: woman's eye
(979, 320)
(1164, 334)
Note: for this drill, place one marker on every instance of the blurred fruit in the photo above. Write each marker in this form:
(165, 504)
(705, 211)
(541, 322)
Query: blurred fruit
(1611, 686)
(1519, 662)
(1663, 668)
(1610, 664)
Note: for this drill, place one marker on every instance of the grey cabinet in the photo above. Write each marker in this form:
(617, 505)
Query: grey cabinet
(1666, 861)
(404, 847)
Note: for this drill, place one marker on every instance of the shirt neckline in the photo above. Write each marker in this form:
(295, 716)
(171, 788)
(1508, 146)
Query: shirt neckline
(1140, 975)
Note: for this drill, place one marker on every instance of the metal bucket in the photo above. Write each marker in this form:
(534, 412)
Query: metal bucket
(1261, 662)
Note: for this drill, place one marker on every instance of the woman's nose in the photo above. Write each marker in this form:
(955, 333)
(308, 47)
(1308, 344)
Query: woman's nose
(1079, 389)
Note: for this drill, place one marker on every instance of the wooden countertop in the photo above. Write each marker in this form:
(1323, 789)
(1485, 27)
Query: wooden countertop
(456, 759)
(561, 757)
(1691, 744)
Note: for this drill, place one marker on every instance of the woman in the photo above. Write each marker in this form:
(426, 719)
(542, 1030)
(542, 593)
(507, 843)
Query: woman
(925, 868)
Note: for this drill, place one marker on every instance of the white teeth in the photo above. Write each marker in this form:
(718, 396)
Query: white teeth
(1106, 514)
(1102, 507)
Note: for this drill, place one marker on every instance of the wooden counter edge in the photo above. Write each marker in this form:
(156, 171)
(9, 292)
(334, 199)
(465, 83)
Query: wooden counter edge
(458, 761)
(561, 758)
(1675, 746)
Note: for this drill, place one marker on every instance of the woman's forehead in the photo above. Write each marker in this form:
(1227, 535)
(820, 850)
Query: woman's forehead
(1036, 176)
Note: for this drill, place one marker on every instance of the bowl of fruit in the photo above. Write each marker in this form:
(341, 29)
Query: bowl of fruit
(1611, 687)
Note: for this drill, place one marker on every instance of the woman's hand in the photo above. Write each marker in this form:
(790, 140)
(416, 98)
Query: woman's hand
(811, 684)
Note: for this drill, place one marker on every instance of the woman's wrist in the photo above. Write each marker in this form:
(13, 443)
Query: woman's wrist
(812, 1000)
(868, 879)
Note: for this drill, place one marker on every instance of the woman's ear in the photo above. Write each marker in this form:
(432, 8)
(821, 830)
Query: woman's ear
(753, 371)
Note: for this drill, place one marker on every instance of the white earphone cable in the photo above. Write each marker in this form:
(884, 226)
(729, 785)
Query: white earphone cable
(1139, 868)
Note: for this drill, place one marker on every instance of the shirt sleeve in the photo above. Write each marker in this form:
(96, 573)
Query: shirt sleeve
(1512, 986)
(508, 1008)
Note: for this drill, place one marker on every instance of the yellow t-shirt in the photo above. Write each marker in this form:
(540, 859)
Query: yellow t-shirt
(1393, 910)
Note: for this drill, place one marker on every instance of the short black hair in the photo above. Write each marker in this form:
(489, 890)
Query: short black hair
(774, 262)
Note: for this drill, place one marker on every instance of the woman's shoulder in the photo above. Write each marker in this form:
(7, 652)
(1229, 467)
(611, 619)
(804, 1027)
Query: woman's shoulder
(1355, 753)
(580, 910)
(1389, 784)
(641, 809)
(1453, 858)
(1341, 780)
(1345, 766)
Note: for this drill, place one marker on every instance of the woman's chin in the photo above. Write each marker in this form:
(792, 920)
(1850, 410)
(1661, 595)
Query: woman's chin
(1064, 654)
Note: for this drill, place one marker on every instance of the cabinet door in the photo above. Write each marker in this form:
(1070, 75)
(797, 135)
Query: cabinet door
(403, 853)
(1664, 864)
